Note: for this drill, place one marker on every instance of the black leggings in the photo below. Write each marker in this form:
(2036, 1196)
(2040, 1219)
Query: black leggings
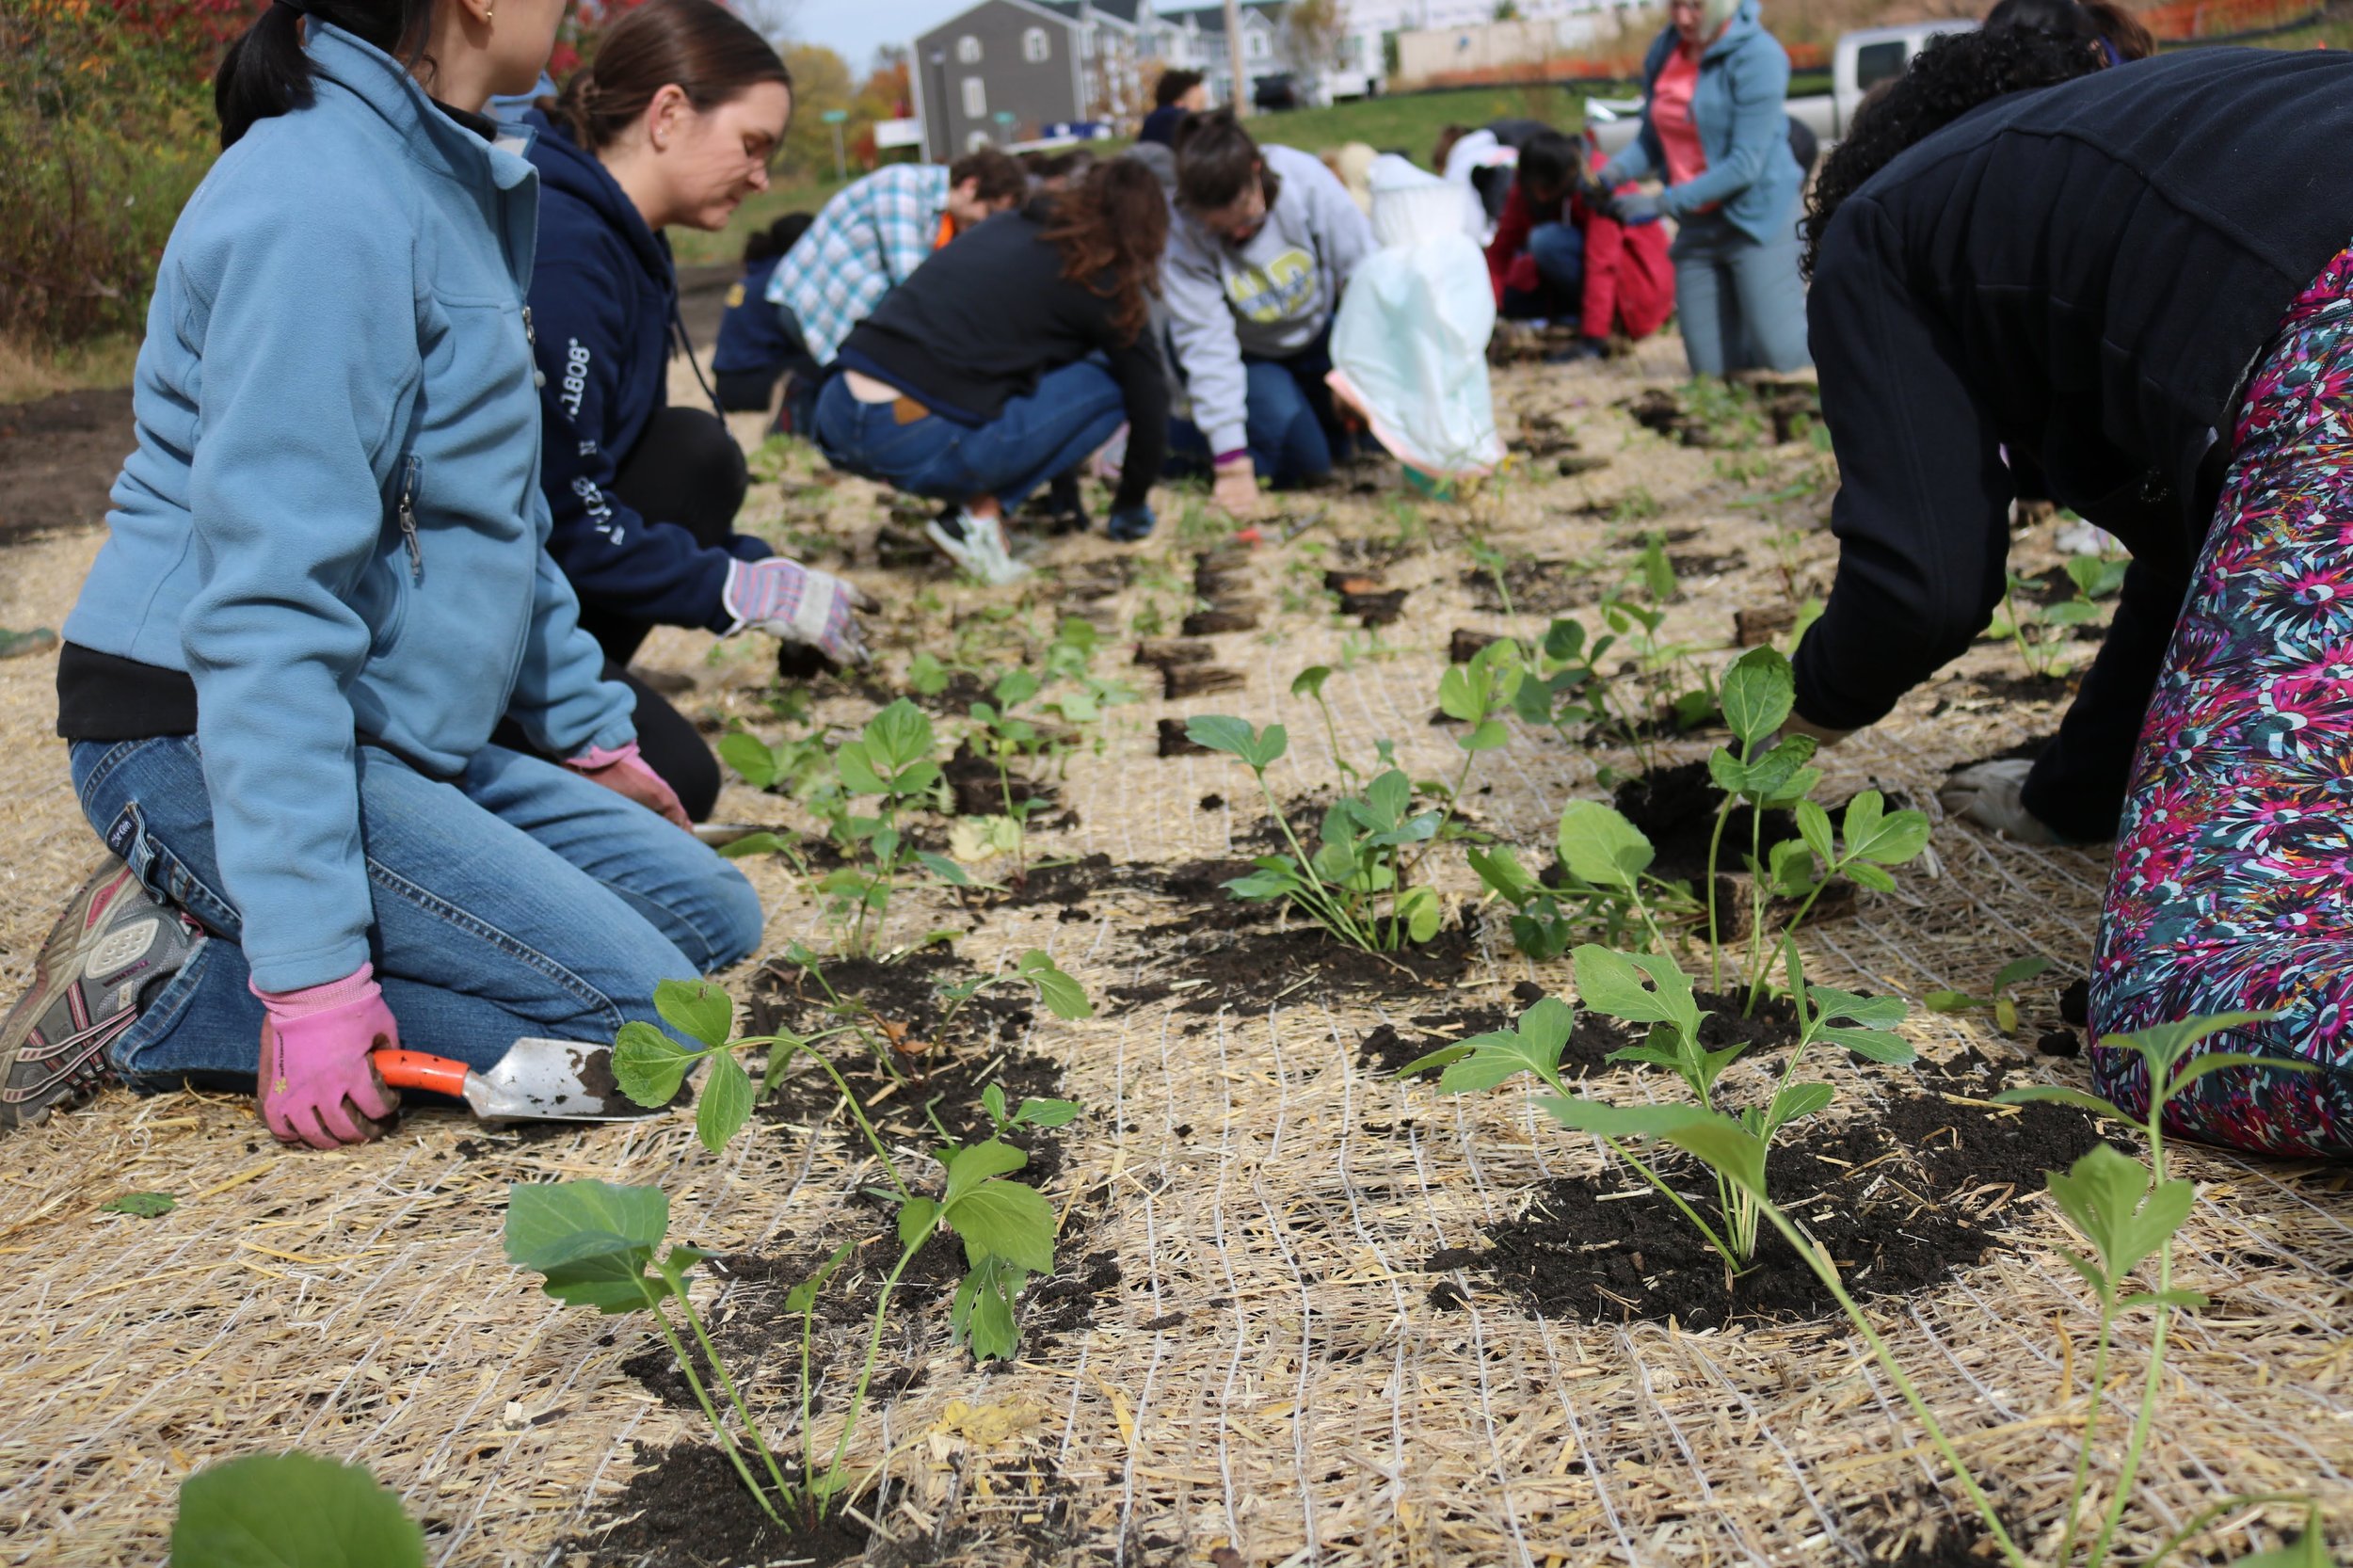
(684, 470)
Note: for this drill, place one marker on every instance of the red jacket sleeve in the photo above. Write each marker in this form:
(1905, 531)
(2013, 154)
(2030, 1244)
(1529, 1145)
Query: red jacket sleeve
(1629, 277)
(1511, 231)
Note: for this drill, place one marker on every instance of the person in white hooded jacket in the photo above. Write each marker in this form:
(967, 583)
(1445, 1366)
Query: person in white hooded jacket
(1263, 246)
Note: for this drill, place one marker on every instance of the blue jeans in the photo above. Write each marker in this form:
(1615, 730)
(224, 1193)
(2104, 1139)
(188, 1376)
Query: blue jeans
(1034, 438)
(517, 898)
(1292, 428)
(1741, 304)
(1559, 250)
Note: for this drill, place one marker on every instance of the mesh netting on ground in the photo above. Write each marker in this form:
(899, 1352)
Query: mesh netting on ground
(1250, 1348)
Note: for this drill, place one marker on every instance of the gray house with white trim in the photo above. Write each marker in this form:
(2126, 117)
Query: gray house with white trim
(1014, 58)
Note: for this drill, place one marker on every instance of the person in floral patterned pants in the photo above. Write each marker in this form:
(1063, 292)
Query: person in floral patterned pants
(2233, 880)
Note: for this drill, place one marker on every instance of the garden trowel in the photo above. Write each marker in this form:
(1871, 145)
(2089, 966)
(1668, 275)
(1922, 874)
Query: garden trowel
(538, 1081)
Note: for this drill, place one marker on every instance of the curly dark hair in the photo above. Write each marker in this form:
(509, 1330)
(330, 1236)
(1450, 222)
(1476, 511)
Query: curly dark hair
(1953, 74)
(1111, 229)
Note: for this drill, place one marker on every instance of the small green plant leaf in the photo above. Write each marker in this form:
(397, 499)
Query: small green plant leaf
(726, 1104)
(1882, 837)
(763, 842)
(1949, 1002)
(590, 1240)
(2019, 969)
(1258, 749)
(1442, 1056)
(1729, 1149)
(983, 1314)
(1309, 681)
(1421, 911)
(1046, 1113)
(1006, 1220)
(695, 1008)
(292, 1511)
(1757, 694)
(1600, 847)
(1873, 1045)
(1829, 1003)
(1814, 827)
(1063, 996)
(142, 1206)
(2186, 1300)
(648, 1064)
(900, 736)
(1620, 1121)
(749, 756)
(969, 1167)
(803, 1297)
(916, 1218)
(1501, 871)
(2107, 1195)
(1613, 982)
(1533, 1046)
(1794, 1102)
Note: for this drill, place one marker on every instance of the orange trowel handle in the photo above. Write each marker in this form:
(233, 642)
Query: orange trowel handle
(414, 1069)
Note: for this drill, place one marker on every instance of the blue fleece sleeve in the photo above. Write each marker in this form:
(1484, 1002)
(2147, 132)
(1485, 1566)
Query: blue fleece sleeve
(561, 697)
(1759, 80)
(616, 558)
(303, 390)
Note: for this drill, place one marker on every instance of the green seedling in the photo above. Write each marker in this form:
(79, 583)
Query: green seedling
(594, 1245)
(292, 1511)
(1768, 771)
(1063, 996)
(142, 1206)
(889, 761)
(2125, 1212)
(2025, 624)
(1351, 886)
(1309, 683)
(2001, 1004)
(1653, 992)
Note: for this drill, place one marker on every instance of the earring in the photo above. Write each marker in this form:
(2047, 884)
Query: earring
(488, 11)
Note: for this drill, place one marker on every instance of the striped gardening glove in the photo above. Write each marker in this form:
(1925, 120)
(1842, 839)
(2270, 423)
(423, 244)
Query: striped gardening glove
(799, 604)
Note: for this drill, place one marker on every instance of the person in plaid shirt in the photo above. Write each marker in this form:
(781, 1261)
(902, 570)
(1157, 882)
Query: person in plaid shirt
(875, 231)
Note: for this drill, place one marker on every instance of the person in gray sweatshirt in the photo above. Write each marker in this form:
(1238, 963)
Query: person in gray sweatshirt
(1265, 242)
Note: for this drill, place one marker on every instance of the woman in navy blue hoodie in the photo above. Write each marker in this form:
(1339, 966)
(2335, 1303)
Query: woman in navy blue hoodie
(672, 122)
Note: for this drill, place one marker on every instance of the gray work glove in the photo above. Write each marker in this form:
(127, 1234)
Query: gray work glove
(1988, 795)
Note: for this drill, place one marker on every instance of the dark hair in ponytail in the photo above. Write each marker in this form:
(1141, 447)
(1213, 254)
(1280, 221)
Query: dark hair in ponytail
(701, 47)
(266, 72)
(1953, 74)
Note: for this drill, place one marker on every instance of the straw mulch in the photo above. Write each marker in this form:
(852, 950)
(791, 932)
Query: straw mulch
(1270, 1378)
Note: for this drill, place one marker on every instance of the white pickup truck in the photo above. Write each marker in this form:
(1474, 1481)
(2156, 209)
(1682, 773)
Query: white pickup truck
(1863, 61)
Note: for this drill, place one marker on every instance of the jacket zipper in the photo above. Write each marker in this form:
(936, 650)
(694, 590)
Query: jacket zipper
(408, 515)
(531, 338)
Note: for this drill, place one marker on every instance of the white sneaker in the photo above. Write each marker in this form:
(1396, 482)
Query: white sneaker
(977, 544)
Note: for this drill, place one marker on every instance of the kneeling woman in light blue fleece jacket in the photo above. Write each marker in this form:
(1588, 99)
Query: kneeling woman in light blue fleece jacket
(327, 580)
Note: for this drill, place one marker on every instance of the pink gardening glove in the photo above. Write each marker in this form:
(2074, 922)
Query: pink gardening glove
(625, 774)
(318, 1086)
(799, 604)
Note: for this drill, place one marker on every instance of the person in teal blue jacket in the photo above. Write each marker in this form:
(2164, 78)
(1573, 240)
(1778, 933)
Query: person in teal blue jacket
(326, 579)
(1716, 134)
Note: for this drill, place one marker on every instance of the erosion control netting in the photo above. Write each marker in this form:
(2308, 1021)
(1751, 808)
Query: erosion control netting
(1304, 1312)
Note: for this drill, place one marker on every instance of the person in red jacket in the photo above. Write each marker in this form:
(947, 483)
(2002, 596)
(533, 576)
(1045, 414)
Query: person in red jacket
(1556, 255)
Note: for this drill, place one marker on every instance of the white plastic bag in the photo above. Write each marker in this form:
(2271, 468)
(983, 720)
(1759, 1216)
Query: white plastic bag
(1409, 343)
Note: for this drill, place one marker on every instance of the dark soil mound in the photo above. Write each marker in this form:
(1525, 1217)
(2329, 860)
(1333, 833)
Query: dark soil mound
(1903, 1198)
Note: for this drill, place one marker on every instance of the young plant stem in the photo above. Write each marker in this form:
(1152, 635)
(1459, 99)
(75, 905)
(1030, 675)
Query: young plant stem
(1332, 734)
(2091, 1427)
(1789, 935)
(1715, 945)
(1758, 901)
(874, 1139)
(2146, 1417)
(866, 1373)
(1445, 817)
(1732, 1264)
(1332, 914)
(711, 1414)
(1828, 1273)
(727, 1384)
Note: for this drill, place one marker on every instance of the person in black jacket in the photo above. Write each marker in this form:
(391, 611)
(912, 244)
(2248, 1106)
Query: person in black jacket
(2083, 276)
(756, 345)
(1007, 359)
(674, 122)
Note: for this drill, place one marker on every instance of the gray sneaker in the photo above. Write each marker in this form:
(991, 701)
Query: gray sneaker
(977, 545)
(104, 960)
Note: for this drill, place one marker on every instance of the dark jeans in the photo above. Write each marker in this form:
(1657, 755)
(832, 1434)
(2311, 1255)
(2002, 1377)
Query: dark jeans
(1033, 439)
(685, 469)
(1560, 253)
(1293, 429)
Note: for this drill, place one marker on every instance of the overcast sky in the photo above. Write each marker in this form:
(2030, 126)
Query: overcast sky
(855, 28)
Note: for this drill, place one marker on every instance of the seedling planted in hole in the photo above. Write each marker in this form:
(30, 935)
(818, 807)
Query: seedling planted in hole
(2126, 1213)
(2001, 1004)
